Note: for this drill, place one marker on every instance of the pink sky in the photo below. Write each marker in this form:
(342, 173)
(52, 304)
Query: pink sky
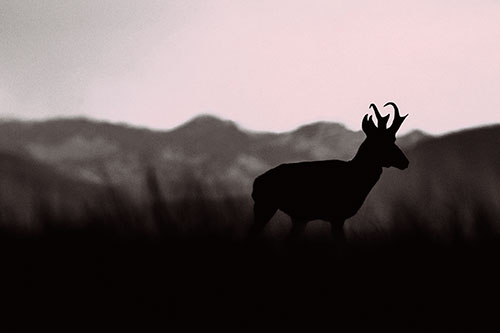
(268, 65)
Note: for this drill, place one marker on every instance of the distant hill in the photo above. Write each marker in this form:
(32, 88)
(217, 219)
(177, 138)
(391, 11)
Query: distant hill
(216, 152)
(451, 188)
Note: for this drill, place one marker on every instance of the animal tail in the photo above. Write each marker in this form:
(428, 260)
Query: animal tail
(264, 186)
(263, 189)
(257, 189)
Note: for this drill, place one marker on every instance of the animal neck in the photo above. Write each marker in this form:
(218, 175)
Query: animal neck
(367, 161)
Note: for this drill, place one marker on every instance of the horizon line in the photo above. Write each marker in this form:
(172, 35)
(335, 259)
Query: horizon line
(14, 118)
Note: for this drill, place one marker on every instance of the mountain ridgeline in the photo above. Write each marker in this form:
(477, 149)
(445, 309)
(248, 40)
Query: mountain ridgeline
(217, 153)
(451, 189)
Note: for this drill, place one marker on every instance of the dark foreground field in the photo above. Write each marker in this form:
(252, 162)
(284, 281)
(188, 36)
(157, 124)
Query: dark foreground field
(182, 266)
(422, 254)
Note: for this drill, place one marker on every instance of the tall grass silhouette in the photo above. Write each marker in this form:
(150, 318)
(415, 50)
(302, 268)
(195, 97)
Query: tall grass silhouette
(421, 256)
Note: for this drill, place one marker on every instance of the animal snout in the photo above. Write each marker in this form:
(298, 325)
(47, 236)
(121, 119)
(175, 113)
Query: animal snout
(404, 164)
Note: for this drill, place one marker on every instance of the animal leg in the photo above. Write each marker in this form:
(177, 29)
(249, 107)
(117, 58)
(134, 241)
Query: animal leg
(338, 235)
(298, 229)
(262, 213)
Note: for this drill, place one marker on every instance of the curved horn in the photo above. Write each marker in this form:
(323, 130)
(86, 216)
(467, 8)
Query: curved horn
(368, 125)
(398, 120)
(382, 121)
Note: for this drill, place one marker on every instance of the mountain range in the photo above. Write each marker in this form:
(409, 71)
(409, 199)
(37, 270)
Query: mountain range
(451, 187)
(217, 153)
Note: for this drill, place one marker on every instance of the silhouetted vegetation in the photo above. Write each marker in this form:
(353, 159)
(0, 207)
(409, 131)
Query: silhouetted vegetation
(421, 256)
(185, 265)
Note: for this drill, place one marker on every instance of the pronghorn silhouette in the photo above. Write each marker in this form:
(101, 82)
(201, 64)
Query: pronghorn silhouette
(330, 190)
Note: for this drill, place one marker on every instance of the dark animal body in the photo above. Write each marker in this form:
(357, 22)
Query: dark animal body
(319, 194)
(330, 190)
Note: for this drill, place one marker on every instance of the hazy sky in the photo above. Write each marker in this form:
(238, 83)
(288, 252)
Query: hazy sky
(269, 65)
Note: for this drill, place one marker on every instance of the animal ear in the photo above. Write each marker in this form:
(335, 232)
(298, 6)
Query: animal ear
(368, 125)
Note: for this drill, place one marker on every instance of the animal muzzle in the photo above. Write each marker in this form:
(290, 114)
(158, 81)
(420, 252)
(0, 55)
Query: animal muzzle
(402, 163)
(398, 158)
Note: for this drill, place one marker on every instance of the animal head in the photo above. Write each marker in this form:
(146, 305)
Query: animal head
(381, 141)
